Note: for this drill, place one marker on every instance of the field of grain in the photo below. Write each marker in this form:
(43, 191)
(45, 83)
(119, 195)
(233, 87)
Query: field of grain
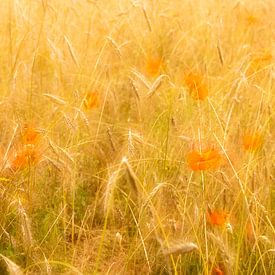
(137, 137)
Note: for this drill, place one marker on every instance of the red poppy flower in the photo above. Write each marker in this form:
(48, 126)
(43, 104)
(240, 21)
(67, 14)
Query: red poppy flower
(205, 160)
(259, 62)
(28, 155)
(216, 217)
(252, 141)
(92, 100)
(195, 82)
(217, 271)
(30, 135)
(153, 66)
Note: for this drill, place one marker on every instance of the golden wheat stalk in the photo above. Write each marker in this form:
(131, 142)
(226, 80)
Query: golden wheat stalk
(13, 268)
(132, 177)
(180, 247)
(25, 225)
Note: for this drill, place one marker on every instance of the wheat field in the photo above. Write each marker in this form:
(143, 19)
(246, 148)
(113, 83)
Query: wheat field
(137, 137)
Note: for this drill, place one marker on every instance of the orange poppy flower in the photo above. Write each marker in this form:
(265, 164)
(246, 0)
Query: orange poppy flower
(30, 135)
(28, 155)
(207, 159)
(196, 84)
(92, 100)
(153, 66)
(252, 142)
(251, 20)
(218, 218)
(217, 271)
(259, 62)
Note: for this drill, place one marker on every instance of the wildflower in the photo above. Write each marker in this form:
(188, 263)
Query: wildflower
(252, 142)
(259, 62)
(153, 66)
(196, 84)
(217, 271)
(205, 160)
(92, 100)
(30, 135)
(251, 20)
(28, 155)
(218, 218)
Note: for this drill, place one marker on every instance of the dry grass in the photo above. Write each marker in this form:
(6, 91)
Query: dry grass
(136, 137)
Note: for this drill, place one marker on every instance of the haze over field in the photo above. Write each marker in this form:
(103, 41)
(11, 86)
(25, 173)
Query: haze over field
(137, 137)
